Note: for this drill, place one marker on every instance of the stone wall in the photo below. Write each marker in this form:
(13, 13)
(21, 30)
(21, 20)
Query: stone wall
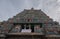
(28, 37)
(53, 38)
(25, 37)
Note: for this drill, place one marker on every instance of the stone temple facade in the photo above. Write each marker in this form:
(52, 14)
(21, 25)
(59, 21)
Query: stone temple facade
(30, 24)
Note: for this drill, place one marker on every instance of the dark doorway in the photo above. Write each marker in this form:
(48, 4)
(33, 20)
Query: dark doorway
(40, 25)
(32, 28)
(22, 26)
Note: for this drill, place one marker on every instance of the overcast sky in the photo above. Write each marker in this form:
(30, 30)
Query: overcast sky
(9, 8)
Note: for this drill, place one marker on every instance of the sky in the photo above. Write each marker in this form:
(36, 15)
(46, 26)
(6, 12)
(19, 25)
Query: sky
(9, 8)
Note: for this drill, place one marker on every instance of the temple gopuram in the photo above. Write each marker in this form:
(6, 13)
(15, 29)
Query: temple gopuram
(30, 24)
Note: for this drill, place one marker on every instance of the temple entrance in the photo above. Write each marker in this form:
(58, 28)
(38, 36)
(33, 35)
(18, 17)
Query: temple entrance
(26, 28)
(29, 27)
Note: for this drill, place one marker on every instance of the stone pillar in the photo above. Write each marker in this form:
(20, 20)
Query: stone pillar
(29, 26)
(25, 26)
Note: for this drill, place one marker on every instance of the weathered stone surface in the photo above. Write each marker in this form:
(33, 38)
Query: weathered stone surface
(33, 16)
(11, 28)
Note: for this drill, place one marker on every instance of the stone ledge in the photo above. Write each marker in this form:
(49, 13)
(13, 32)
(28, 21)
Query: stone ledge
(25, 33)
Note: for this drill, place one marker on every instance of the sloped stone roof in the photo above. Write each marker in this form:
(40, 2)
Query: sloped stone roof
(36, 16)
